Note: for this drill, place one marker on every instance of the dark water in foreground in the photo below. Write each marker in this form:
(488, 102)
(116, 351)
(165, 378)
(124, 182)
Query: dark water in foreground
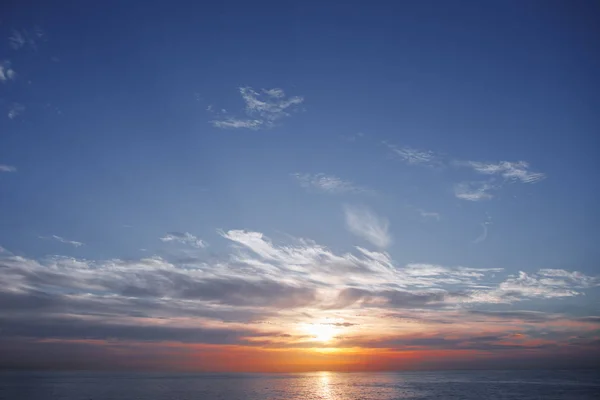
(476, 385)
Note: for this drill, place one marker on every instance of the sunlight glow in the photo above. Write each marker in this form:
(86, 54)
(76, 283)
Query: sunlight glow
(320, 332)
(324, 386)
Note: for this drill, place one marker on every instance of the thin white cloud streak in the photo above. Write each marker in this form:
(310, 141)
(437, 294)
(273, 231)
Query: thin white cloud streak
(354, 137)
(6, 71)
(15, 110)
(543, 284)
(234, 123)
(547, 283)
(62, 240)
(500, 173)
(19, 39)
(16, 40)
(329, 184)
(263, 109)
(7, 168)
(364, 223)
(510, 171)
(184, 238)
(414, 156)
(306, 260)
(474, 191)
(429, 214)
(483, 235)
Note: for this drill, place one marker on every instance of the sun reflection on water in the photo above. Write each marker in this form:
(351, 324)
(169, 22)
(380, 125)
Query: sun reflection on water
(325, 389)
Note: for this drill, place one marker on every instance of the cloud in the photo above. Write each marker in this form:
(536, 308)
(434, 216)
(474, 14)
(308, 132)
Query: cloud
(262, 108)
(364, 223)
(262, 291)
(532, 285)
(20, 38)
(510, 171)
(285, 277)
(481, 340)
(62, 240)
(231, 122)
(98, 329)
(6, 71)
(7, 168)
(563, 277)
(590, 319)
(353, 137)
(392, 298)
(429, 214)
(520, 315)
(271, 107)
(184, 238)
(498, 173)
(474, 191)
(160, 285)
(252, 293)
(483, 235)
(16, 40)
(544, 284)
(328, 184)
(15, 110)
(413, 156)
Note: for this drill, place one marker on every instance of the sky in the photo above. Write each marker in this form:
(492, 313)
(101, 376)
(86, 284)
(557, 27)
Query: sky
(294, 186)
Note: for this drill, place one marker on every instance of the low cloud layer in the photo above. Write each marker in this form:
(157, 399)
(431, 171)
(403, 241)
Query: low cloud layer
(263, 294)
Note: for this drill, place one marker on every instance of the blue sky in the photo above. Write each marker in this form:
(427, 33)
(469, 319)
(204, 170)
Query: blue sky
(454, 134)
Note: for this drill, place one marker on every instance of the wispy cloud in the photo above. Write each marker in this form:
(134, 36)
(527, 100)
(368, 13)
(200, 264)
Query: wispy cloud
(16, 40)
(474, 191)
(354, 137)
(546, 283)
(6, 71)
(15, 110)
(263, 109)
(543, 284)
(262, 294)
(429, 214)
(499, 173)
(20, 38)
(414, 156)
(484, 233)
(234, 123)
(184, 238)
(62, 240)
(510, 171)
(329, 183)
(364, 223)
(7, 168)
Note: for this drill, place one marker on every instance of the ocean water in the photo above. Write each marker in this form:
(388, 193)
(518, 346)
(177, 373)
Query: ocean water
(456, 385)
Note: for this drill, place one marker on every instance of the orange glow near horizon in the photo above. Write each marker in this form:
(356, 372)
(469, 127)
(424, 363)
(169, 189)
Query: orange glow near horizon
(232, 358)
(315, 346)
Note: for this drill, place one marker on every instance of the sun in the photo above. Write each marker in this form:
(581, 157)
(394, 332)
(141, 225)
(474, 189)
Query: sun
(320, 332)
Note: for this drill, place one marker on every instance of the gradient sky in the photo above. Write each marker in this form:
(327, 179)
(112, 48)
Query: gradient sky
(288, 186)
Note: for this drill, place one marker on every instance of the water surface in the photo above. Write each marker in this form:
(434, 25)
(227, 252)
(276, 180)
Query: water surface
(467, 385)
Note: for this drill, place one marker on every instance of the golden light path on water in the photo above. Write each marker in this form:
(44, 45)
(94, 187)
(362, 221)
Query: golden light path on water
(325, 389)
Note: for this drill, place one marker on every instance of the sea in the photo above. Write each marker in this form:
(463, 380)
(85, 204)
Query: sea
(454, 385)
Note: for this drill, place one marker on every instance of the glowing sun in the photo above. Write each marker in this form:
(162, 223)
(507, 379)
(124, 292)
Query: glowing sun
(320, 332)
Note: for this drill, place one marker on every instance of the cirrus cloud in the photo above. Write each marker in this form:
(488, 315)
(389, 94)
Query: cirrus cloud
(263, 108)
(366, 224)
